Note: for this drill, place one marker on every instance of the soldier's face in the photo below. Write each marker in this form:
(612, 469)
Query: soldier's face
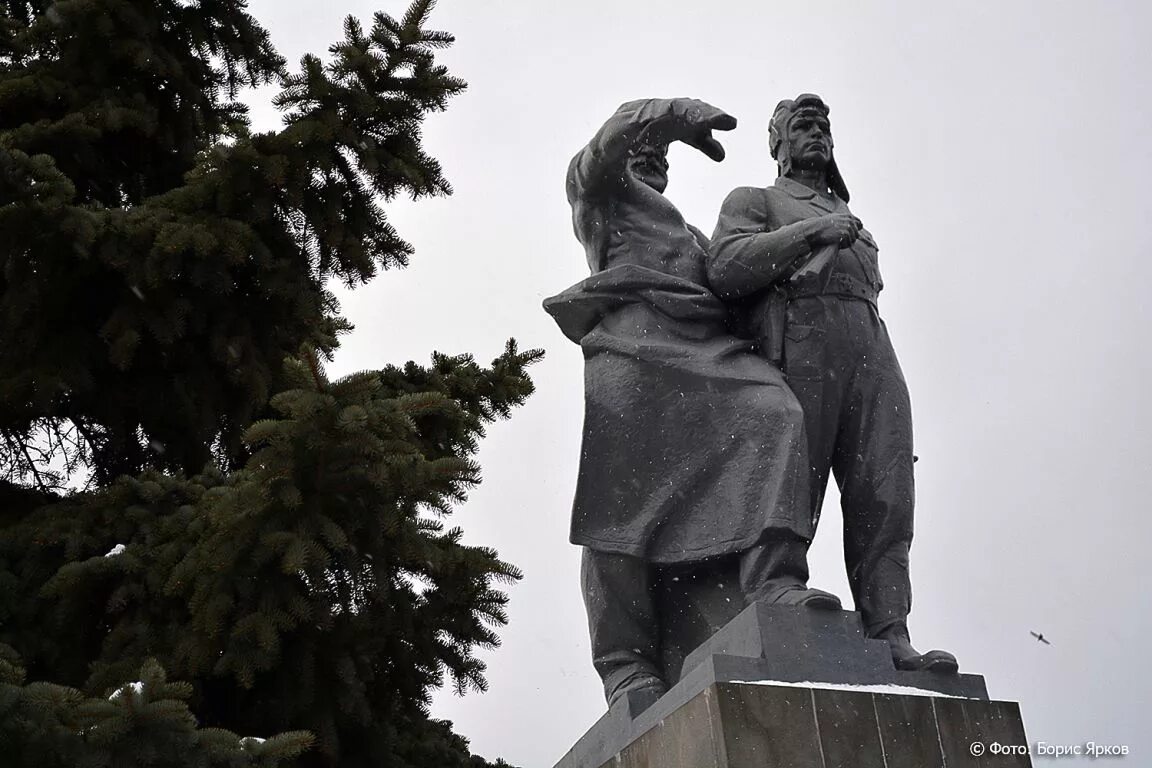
(810, 140)
(649, 165)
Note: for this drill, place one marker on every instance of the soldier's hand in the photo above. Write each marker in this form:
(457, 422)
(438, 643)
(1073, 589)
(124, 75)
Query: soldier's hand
(840, 229)
(693, 122)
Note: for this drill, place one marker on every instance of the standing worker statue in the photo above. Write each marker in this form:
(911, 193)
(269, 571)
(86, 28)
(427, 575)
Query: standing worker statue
(802, 271)
(693, 447)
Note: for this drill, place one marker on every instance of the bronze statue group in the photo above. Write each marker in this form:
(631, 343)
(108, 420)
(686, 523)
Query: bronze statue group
(725, 378)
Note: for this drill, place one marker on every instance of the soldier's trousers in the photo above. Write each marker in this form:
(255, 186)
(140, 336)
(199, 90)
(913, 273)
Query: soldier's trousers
(840, 364)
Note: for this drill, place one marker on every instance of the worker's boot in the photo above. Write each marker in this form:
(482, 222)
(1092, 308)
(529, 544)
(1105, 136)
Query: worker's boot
(643, 689)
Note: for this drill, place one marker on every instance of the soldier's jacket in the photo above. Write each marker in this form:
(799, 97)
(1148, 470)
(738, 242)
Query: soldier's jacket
(757, 247)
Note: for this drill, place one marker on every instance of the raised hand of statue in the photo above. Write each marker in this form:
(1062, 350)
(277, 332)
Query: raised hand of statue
(840, 229)
(692, 122)
(633, 144)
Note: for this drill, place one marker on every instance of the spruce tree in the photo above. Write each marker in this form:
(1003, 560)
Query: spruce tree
(211, 553)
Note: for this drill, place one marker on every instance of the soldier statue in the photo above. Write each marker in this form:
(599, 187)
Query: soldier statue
(802, 273)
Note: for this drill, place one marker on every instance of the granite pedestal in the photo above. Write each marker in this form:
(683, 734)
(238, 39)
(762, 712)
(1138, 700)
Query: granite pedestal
(782, 687)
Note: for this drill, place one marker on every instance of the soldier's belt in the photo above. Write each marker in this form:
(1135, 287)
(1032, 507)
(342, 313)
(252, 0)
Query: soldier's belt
(839, 284)
(772, 315)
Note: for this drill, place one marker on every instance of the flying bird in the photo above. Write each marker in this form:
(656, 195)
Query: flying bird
(1040, 637)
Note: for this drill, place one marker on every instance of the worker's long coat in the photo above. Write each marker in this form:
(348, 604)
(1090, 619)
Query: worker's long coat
(692, 444)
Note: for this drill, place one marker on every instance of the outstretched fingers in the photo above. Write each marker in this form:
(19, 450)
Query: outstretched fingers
(702, 118)
(706, 144)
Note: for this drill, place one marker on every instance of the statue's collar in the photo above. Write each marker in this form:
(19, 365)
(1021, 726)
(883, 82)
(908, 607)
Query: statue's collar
(801, 192)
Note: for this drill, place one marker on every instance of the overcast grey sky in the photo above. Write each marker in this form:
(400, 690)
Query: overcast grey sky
(999, 152)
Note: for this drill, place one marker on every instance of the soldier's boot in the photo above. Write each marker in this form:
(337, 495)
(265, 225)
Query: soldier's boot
(810, 597)
(908, 659)
(775, 572)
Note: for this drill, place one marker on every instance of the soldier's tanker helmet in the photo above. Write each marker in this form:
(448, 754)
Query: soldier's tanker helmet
(788, 110)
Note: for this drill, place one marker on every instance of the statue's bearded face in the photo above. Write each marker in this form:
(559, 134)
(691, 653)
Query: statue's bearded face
(649, 164)
(810, 140)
